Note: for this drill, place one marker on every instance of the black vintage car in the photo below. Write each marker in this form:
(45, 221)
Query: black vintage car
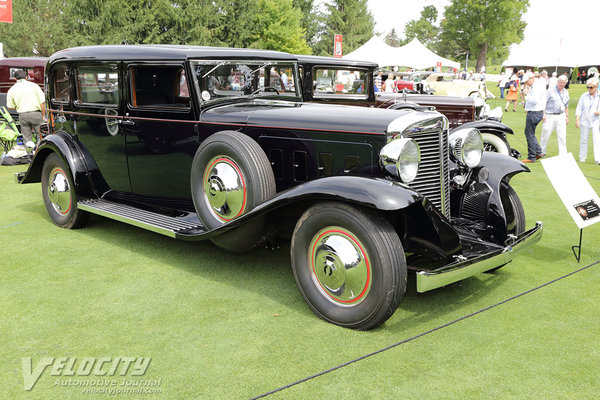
(215, 143)
(353, 84)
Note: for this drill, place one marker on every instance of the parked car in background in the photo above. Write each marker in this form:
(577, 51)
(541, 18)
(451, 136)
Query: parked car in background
(471, 110)
(34, 66)
(444, 84)
(201, 143)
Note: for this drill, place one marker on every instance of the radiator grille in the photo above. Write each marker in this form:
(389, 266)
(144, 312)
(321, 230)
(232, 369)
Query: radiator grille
(433, 179)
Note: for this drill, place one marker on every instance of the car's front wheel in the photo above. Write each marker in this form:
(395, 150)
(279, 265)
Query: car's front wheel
(59, 194)
(349, 265)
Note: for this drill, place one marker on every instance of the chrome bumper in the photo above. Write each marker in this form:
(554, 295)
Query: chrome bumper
(428, 280)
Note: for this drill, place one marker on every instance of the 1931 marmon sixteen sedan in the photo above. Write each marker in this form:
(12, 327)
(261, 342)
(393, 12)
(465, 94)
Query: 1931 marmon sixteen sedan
(214, 143)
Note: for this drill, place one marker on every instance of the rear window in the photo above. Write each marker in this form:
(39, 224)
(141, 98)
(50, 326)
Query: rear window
(98, 84)
(340, 82)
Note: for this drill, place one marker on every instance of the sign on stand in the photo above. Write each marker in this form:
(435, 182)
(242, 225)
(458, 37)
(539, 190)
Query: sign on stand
(575, 191)
(6, 11)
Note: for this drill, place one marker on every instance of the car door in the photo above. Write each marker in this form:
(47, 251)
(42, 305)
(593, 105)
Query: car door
(94, 114)
(161, 129)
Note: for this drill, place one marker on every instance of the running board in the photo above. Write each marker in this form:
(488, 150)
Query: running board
(175, 227)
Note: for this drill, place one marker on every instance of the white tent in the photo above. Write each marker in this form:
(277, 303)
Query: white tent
(413, 54)
(375, 50)
(420, 57)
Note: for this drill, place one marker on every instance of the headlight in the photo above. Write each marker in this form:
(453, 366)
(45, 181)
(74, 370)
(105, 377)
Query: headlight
(401, 158)
(467, 146)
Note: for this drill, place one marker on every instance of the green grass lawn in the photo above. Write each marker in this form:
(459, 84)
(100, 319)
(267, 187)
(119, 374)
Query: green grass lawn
(222, 326)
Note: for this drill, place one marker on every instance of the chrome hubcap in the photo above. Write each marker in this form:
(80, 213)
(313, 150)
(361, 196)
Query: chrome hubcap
(340, 266)
(59, 191)
(224, 188)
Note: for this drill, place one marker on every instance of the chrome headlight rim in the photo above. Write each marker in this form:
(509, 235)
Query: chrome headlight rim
(400, 158)
(466, 145)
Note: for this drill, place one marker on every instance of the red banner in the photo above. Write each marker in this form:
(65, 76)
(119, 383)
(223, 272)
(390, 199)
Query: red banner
(337, 46)
(6, 11)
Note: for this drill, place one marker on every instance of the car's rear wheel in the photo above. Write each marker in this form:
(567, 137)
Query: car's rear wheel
(59, 194)
(349, 265)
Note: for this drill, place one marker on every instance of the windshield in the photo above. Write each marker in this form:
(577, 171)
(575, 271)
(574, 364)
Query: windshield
(220, 79)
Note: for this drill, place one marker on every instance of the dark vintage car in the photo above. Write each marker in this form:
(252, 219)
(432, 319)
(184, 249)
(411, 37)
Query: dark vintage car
(472, 111)
(34, 66)
(214, 143)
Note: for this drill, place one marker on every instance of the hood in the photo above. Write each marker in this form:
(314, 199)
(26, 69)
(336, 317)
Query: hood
(308, 116)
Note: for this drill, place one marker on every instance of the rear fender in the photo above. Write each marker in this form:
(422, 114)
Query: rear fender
(85, 173)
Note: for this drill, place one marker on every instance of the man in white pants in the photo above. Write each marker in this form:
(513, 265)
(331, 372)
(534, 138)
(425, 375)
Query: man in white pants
(556, 115)
(587, 117)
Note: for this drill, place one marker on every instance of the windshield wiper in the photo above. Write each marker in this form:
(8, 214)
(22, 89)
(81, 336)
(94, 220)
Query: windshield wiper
(262, 66)
(215, 67)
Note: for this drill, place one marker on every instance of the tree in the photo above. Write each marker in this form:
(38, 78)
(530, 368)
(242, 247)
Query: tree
(39, 28)
(482, 27)
(424, 28)
(310, 21)
(279, 28)
(350, 18)
(392, 39)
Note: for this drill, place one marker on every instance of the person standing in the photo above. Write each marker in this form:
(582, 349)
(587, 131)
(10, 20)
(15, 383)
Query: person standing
(586, 118)
(503, 83)
(513, 93)
(378, 80)
(388, 85)
(556, 115)
(534, 92)
(28, 99)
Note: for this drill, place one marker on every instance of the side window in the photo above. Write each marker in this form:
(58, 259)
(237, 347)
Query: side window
(60, 85)
(163, 86)
(330, 81)
(98, 84)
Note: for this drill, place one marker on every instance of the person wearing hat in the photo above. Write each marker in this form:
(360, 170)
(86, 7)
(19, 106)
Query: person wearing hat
(28, 99)
(535, 102)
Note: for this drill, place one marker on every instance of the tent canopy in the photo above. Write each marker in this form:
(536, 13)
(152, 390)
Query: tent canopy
(551, 53)
(414, 54)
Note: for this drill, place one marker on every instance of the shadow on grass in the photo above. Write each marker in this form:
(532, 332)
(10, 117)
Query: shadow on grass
(264, 272)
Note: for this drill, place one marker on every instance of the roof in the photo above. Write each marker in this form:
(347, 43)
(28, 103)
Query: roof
(162, 52)
(24, 61)
(323, 60)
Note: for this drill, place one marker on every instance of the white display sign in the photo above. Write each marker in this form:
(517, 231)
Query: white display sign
(574, 190)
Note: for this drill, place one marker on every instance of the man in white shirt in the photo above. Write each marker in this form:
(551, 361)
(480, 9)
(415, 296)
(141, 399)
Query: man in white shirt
(28, 99)
(556, 115)
(535, 103)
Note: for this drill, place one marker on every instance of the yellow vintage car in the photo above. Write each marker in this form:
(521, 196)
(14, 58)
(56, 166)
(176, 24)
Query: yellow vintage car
(448, 85)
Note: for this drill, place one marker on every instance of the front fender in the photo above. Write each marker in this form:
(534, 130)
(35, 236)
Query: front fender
(487, 125)
(482, 198)
(419, 225)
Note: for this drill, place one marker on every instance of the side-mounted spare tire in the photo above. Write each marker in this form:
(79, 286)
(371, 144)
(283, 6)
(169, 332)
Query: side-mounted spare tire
(230, 176)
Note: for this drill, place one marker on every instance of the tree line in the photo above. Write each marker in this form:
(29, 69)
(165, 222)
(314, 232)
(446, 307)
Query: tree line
(41, 27)
(483, 29)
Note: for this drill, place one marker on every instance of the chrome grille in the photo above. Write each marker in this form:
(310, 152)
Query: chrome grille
(433, 179)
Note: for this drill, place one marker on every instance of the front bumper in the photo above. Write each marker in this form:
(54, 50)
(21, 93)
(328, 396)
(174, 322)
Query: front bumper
(464, 268)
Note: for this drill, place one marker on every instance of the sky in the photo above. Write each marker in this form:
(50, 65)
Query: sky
(546, 19)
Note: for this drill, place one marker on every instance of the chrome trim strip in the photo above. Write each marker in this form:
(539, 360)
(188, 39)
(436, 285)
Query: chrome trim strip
(462, 269)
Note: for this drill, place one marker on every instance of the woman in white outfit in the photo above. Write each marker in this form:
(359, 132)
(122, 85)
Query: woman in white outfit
(587, 118)
(388, 85)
